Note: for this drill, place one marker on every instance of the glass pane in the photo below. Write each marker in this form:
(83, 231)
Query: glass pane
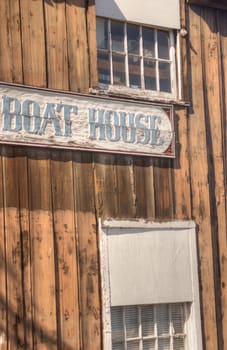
(117, 34)
(178, 344)
(148, 42)
(133, 39)
(164, 344)
(133, 345)
(177, 316)
(150, 74)
(164, 75)
(131, 321)
(134, 71)
(162, 319)
(149, 344)
(118, 69)
(117, 325)
(163, 44)
(102, 33)
(103, 67)
(147, 320)
(118, 346)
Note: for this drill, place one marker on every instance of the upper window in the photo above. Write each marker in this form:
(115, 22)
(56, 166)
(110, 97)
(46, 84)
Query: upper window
(135, 56)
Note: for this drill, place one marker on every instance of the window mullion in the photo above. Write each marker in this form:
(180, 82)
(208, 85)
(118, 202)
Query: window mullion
(141, 58)
(126, 55)
(155, 328)
(140, 329)
(124, 324)
(110, 51)
(170, 326)
(156, 60)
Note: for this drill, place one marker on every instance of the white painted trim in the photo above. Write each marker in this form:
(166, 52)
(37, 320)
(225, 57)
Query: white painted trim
(140, 223)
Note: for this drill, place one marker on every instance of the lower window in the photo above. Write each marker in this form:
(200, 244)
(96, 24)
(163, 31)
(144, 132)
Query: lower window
(150, 285)
(149, 327)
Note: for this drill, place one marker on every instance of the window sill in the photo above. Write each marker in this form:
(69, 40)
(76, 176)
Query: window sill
(138, 95)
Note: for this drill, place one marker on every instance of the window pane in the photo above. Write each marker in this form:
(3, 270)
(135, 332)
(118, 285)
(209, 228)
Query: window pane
(164, 75)
(133, 345)
(103, 67)
(147, 320)
(149, 344)
(102, 33)
(148, 42)
(133, 39)
(118, 346)
(150, 74)
(178, 344)
(118, 69)
(134, 71)
(177, 315)
(117, 34)
(162, 319)
(163, 44)
(131, 321)
(164, 344)
(117, 325)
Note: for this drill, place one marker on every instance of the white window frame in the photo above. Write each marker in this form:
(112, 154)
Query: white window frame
(142, 92)
(193, 324)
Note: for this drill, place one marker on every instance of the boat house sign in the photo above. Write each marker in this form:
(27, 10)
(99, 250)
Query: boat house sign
(64, 120)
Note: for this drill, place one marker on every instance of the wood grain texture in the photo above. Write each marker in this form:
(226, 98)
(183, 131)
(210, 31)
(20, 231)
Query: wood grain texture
(87, 231)
(92, 47)
(77, 42)
(15, 309)
(56, 41)
(33, 42)
(65, 251)
(105, 185)
(181, 172)
(42, 250)
(20, 159)
(201, 210)
(10, 42)
(163, 188)
(3, 284)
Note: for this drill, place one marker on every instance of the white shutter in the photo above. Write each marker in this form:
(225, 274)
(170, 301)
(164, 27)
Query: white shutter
(163, 13)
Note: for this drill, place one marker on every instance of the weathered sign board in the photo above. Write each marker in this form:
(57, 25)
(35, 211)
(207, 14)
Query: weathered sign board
(63, 120)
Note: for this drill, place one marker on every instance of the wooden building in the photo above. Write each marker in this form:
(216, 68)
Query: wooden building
(75, 218)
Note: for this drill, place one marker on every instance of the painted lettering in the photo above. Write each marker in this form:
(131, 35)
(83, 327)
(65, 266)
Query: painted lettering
(112, 126)
(96, 124)
(11, 109)
(128, 132)
(31, 116)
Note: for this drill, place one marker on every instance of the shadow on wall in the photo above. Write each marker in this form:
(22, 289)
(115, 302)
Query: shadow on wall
(17, 330)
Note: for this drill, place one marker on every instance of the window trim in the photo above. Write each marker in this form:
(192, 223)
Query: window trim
(193, 324)
(174, 61)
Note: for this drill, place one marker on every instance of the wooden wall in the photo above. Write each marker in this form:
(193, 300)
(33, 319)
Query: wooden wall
(51, 200)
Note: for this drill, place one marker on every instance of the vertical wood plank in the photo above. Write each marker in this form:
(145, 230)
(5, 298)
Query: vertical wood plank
(214, 123)
(91, 30)
(77, 45)
(22, 178)
(88, 251)
(57, 58)
(182, 191)
(13, 251)
(105, 185)
(125, 187)
(144, 188)
(199, 183)
(3, 290)
(163, 186)
(66, 254)
(10, 42)
(42, 250)
(33, 42)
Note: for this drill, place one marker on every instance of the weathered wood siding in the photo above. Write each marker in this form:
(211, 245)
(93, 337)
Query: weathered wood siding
(51, 200)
